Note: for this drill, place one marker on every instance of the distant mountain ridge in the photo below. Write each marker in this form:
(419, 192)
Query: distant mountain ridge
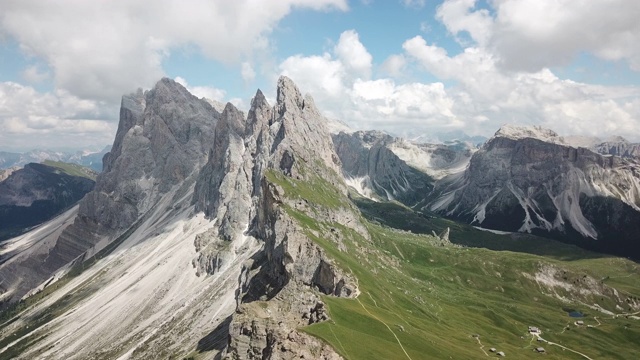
(529, 179)
(89, 159)
(525, 178)
(38, 192)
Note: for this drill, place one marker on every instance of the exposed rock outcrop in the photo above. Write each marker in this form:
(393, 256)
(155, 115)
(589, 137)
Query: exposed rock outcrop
(618, 147)
(236, 189)
(162, 140)
(529, 180)
(375, 169)
(5, 173)
(290, 138)
(379, 165)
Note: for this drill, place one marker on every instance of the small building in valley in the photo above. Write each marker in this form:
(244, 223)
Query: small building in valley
(534, 330)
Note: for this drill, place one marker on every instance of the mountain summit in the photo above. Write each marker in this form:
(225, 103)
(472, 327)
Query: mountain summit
(190, 210)
(529, 179)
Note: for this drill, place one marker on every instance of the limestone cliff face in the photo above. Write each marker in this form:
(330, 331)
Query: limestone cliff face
(619, 147)
(162, 140)
(378, 165)
(301, 133)
(234, 189)
(174, 158)
(286, 138)
(369, 162)
(163, 137)
(293, 270)
(538, 184)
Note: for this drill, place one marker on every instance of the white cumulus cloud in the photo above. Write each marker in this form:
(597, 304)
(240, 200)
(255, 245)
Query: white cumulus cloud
(45, 117)
(341, 85)
(483, 90)
(101, 49)
(480, 96)
(353, 55)
(247, 72)
(529, 35)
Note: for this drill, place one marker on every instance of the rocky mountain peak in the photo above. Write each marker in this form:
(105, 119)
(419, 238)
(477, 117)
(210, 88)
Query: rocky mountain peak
(301, 130)
(131, 108)
(259, 113)
(176, 157)
(529, 179)
(163, 138)
(616, 139)
(290, 138)
(516, 132)
(288, 95)
(259, 101)
(231, 119)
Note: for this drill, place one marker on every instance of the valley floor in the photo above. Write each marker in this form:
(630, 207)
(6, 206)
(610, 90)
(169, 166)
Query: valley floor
(424, 298)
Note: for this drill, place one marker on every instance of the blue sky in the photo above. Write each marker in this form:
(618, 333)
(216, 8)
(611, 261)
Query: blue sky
(410, 67)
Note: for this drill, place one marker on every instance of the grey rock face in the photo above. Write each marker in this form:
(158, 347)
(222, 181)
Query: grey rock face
(528, 184)
(234, 190)
(269, 333)
(230, 186)
(224, 190)
(620, 148)
(258, 333)
(301, 131)
(162, 139)
(172, 146)
(366, 157)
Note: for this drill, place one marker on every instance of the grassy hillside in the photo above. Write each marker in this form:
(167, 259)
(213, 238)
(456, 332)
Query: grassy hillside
(72, 169)
(424, 298)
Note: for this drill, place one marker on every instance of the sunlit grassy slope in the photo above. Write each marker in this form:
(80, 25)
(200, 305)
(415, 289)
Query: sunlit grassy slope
(422, 298)
(72, 169)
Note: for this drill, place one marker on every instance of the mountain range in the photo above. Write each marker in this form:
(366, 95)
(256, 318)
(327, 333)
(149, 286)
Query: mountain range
(90, 159)
(523, 179)
(211, 233)
(38, 192)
